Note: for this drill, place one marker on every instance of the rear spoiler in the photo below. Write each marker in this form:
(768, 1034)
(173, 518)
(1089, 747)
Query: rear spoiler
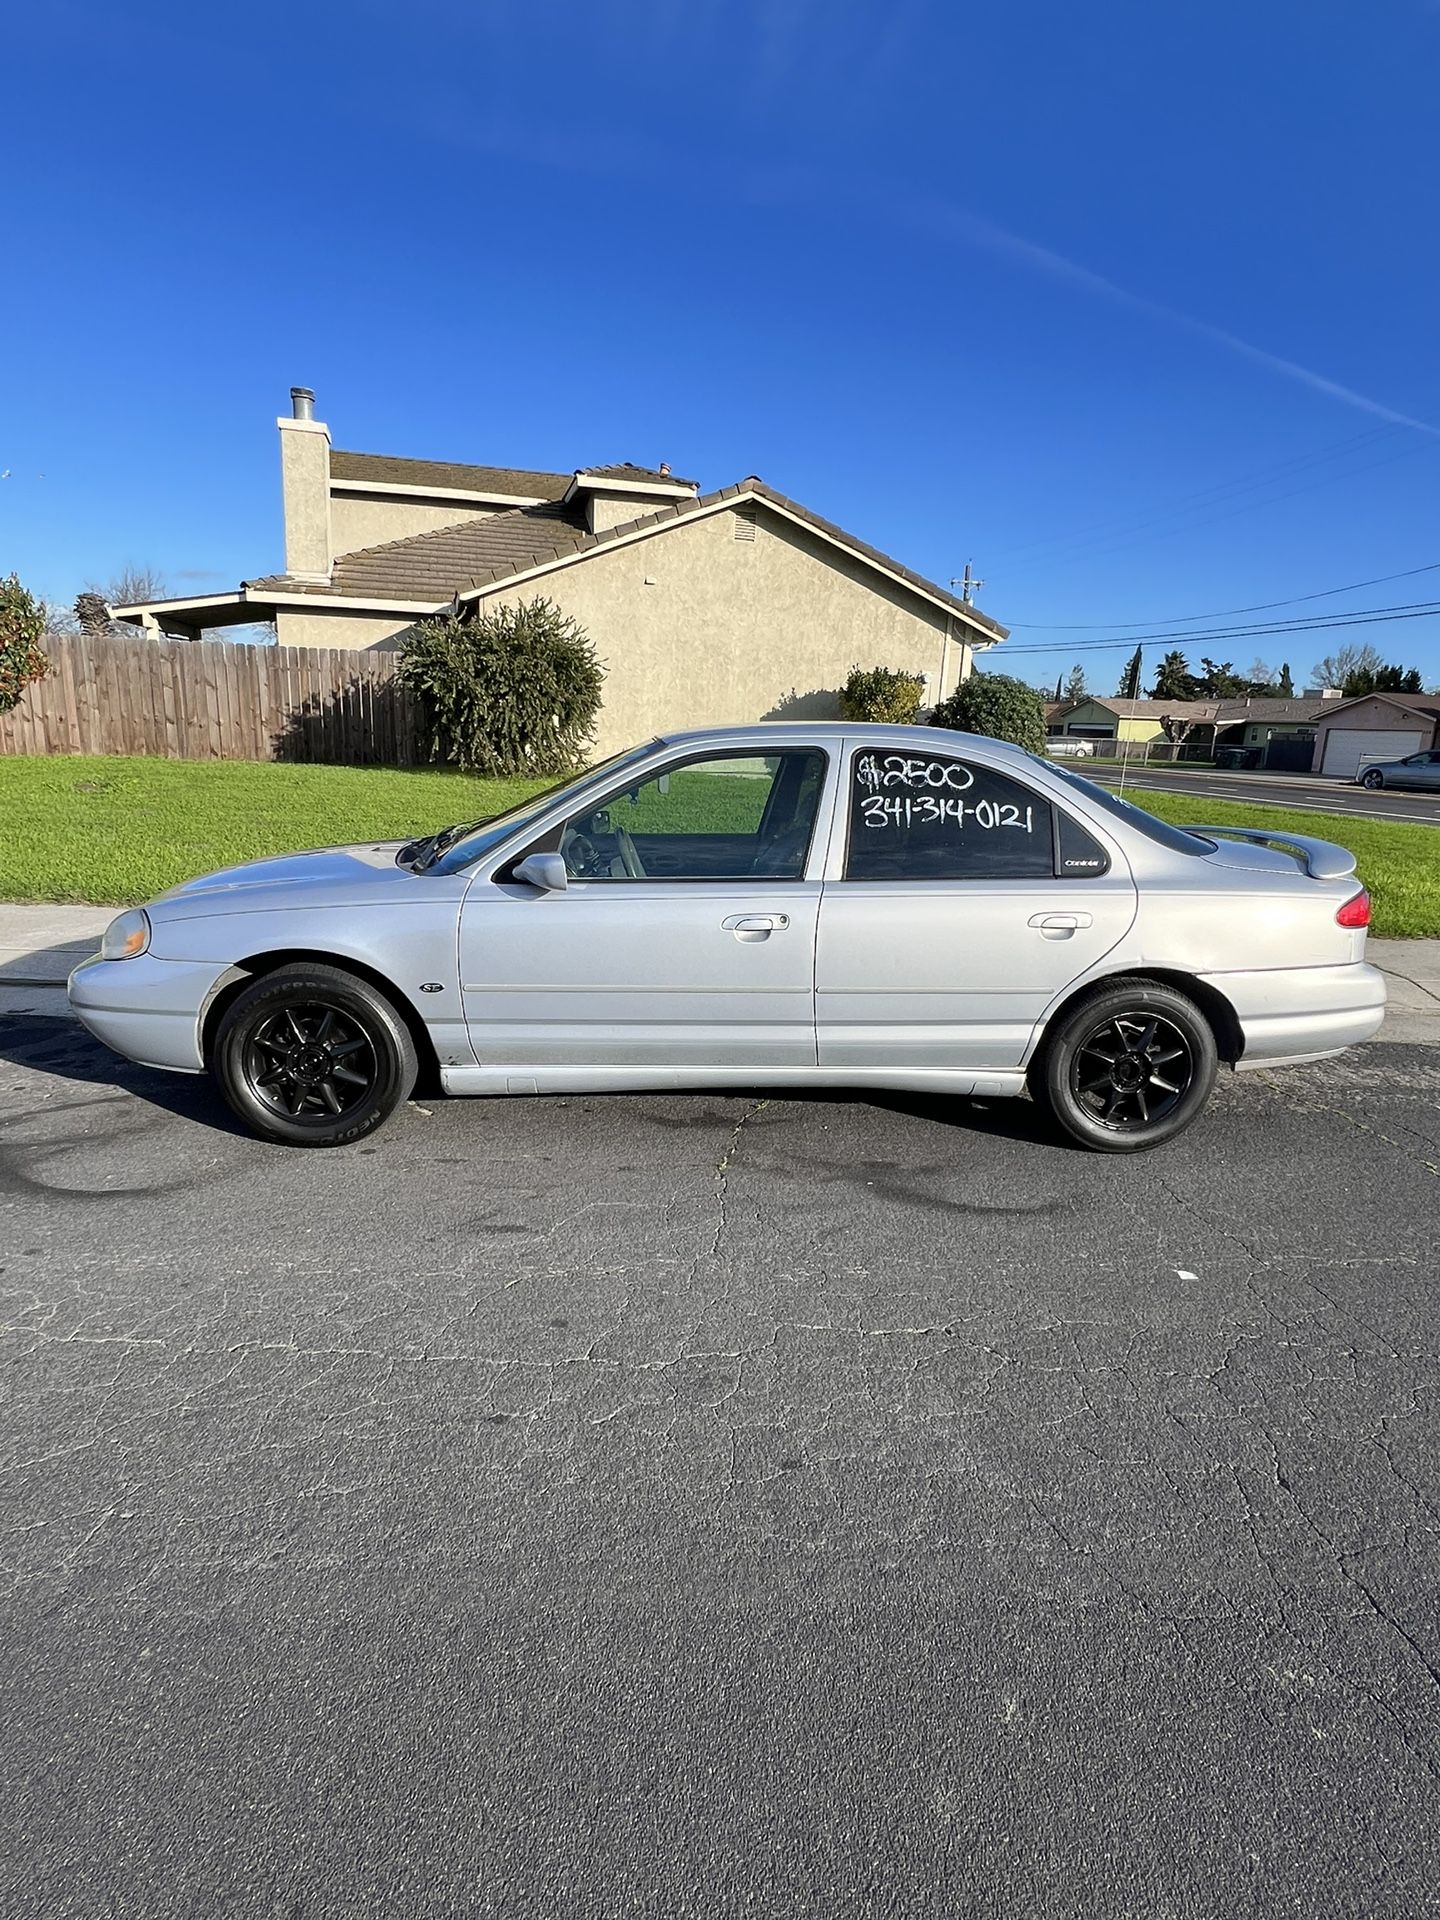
(1321, 859)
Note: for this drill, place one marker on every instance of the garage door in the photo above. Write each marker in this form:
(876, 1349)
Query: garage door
(1346, 747)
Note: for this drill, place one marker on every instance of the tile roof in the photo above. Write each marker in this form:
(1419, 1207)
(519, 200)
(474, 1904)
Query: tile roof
(389, 469)
(1228, 712)
(479, 554)
(627, 470)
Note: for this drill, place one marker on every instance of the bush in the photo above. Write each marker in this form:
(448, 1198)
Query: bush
(881, 693)
(513, 691)
(21, 624)
(998, 705)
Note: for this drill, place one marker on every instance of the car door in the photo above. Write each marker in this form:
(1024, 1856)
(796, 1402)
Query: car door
(961, 903)
(1420, 770)
(684, 936)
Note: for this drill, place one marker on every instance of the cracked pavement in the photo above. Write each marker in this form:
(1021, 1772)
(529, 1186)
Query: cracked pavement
(669, 1505)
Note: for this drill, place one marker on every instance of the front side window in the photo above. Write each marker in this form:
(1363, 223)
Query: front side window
(745, 817)
(920, 816)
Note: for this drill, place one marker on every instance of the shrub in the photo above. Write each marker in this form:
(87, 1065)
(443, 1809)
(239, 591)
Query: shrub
(998, 705)
(21, 624)
(512, 691)
(881, 693)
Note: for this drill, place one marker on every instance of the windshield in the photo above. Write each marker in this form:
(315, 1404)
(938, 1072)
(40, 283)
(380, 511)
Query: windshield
(478, 840)
(1175, 838)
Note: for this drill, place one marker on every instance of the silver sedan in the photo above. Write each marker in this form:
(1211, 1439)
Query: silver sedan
(789, 906)
(1420, 770)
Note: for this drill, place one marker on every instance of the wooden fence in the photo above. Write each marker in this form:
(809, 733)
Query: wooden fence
(215, 700)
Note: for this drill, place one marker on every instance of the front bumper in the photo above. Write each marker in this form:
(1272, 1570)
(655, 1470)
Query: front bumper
(1290, 1014)
(147, 1009)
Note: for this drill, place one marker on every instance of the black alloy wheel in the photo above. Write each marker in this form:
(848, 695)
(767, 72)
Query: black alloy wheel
(313, 1056)
(1128, 1067)
(1374, 779)
(1131, 1070)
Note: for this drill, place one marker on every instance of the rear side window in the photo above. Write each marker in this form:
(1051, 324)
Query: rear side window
(1175, 838)
(919, 816)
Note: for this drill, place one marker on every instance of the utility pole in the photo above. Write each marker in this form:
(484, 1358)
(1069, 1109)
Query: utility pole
(969, 586)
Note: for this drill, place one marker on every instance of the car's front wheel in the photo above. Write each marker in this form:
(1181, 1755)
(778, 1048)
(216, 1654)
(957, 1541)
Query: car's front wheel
(1128, 1067)
(312, 1056)
(1373, 779)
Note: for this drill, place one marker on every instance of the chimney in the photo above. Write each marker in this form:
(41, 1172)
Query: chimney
(305, 489)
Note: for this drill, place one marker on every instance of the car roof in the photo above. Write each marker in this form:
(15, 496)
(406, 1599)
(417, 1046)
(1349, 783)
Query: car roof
(867, 733)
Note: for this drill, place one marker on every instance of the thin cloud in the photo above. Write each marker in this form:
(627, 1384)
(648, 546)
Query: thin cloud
(973, 231)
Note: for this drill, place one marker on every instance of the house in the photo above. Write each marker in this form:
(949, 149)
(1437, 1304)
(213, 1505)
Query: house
(705, 608)
(1209, 725)
(1374, 726)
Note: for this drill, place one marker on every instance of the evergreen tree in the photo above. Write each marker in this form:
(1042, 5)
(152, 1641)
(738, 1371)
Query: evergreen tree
(1174, 680)
(1129, 687)
(1285, 686)
(1075, 685)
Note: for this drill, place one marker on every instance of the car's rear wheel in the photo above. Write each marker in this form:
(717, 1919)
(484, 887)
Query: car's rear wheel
(1373, 779)
(1128, 1067)
(312, 1056)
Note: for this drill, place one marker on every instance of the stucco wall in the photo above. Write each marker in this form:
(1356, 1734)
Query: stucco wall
(302, 627)
(370, 519)
(304, 491)
(699, 628)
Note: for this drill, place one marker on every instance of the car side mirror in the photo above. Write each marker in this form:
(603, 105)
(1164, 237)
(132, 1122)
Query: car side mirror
(545, 871)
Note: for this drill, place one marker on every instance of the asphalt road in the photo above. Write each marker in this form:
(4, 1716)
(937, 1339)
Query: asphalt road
(1274, 790)
(704, 1505)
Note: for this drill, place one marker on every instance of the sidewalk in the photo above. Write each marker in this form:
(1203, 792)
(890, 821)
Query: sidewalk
(39, 946)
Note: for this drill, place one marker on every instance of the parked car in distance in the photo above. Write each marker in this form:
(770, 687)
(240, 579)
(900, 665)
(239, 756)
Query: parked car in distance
(1415, 770)
(793, 906)
(1063, 747)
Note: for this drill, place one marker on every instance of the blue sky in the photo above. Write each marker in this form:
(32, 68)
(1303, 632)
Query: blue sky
(1135, 306)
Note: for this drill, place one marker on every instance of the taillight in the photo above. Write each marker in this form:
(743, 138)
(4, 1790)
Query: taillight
(1355, 912)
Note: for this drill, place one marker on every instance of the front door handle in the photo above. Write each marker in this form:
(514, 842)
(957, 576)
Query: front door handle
(1059, 926)
(755, 926)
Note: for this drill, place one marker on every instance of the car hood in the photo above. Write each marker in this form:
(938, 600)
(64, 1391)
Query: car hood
(362, 868)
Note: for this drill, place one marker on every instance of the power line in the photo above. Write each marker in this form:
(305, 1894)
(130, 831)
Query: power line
(1379, 617)
(1221, 613)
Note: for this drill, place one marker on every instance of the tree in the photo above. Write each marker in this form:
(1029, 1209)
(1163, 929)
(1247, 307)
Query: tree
(511, 691)
(1059, 693)
(132, 586)
(1218, 681)
(21, 659)
(1356, 656)
(885, 694)
(1075, 685)
(1174, 680)
(1261, 677)
(1285, 686)
(1129, 687)
(998, 705)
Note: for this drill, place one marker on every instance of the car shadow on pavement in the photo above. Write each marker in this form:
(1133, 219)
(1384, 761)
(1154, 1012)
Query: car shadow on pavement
(65, 1050)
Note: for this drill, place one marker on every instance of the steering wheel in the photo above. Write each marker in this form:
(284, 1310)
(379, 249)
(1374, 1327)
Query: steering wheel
(629, 858)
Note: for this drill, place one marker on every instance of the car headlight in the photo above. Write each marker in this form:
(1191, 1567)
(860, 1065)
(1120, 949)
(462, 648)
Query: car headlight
(127, 935)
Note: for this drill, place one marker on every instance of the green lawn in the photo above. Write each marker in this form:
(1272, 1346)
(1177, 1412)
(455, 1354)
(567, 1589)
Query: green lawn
(120, 830)
(124, 829)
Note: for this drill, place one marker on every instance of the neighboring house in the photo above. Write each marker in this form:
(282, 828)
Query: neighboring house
(705, 609)
(1374, 726)
(1211, 724)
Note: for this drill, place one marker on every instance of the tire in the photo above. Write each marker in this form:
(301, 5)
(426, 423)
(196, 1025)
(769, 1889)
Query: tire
(1114, 1109)
(312, 1056)
(1374, 780)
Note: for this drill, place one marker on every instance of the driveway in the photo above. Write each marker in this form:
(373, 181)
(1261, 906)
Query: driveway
(701, 1505)
(1277, 790)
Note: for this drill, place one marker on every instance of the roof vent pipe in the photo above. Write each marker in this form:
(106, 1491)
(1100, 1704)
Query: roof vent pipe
(302, 403)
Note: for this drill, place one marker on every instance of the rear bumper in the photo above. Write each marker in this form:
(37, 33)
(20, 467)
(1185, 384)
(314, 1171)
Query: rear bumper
(147, 1009)
(1290, 1014)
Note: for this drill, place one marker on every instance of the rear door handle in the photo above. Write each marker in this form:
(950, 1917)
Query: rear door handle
(1059, 923)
